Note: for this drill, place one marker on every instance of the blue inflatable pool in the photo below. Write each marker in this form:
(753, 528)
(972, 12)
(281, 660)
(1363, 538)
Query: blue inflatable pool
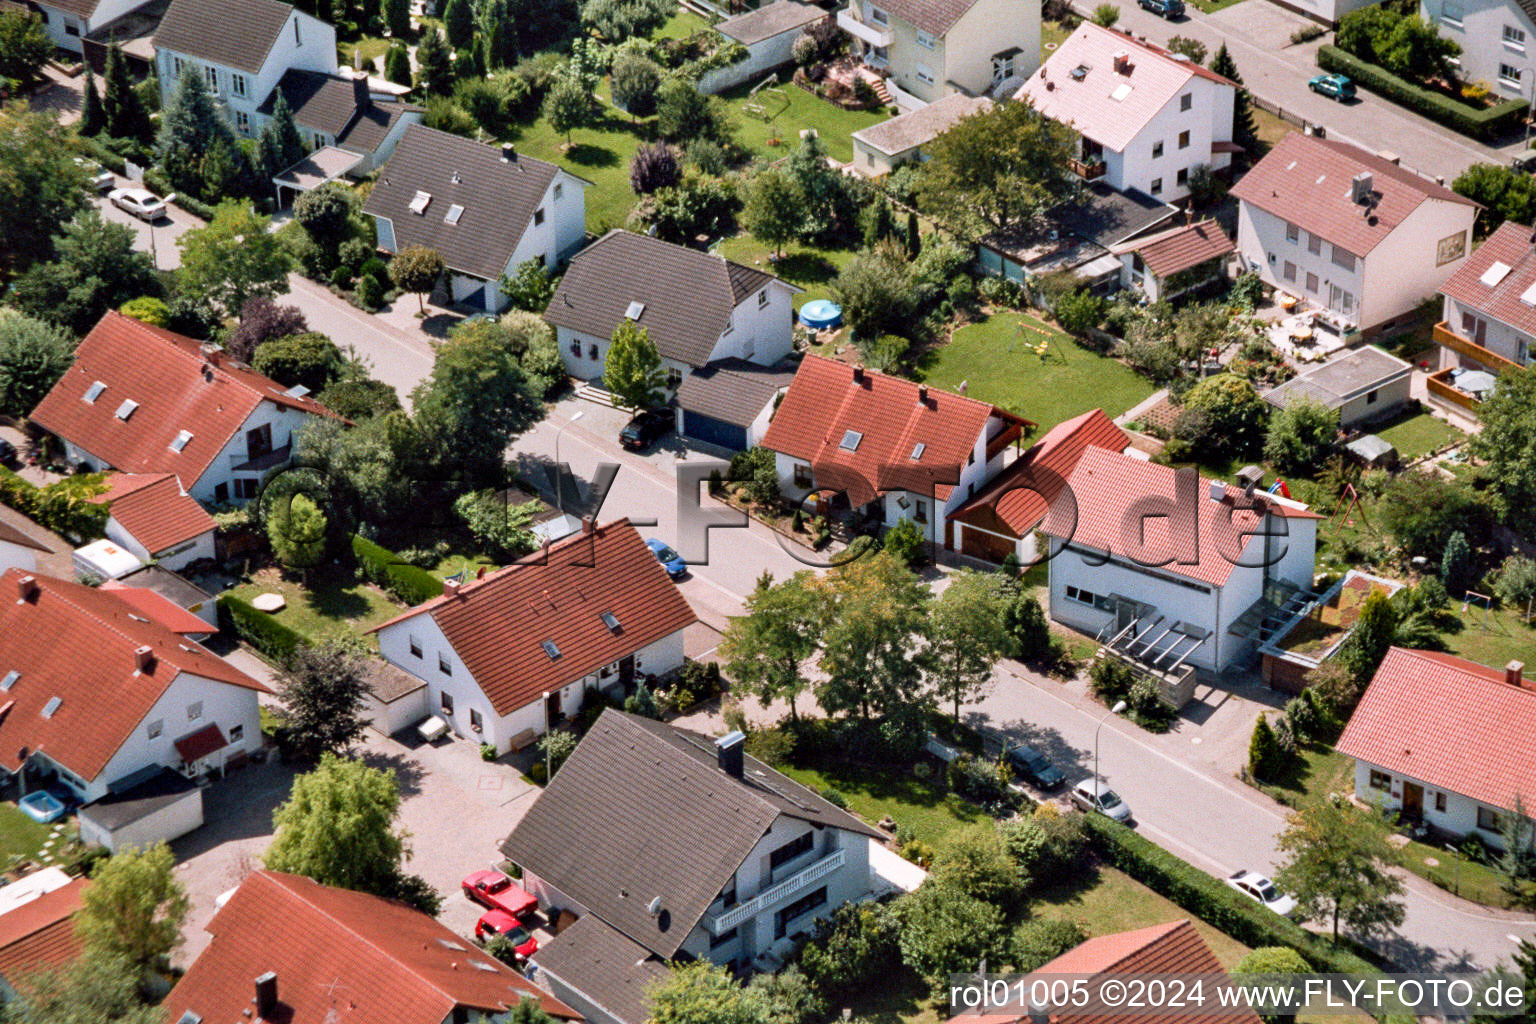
(821, 314)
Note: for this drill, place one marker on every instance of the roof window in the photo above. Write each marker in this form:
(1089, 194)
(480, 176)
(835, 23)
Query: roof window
(1495, 274)
(52, 707)
(850, 441)
(126, 409)
(550, 649)
(181, 440)
(419, 203)
(611, 621)
(635, 311)
(1121, 91)
(94, 391)
(917, 450)
(1079, 73)
(454, 213)
(9, 680)
(1529, 295)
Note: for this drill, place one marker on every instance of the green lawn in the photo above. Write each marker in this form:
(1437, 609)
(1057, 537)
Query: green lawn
(369, 47)
(20, 836)
(789, 109)
(1052, 35)
(681, 25)
(1318, 772)
(1492, 639)
(1417, 433)
(332, 602)
(1456, 873)
(810, 267)
(875, 793)
(1000, 366)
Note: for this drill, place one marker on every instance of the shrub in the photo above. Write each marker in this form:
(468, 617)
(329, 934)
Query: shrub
(1048, 846)
(1110, 680)
(1147, 707)
(1486, 123)
(1306, 34)
(979, 781)
(386, 569)
(834, 797)
(488, 752)
(905, 540)
(975, 860)
(885, 353)
(771, 746)
(850, 948)
(60, 506)
(1000, 291)
(1105, 15)
(1264, 759)
(148, 309)
(1302, 714)
(370, 292)
(1516, 581)
(1079, 312)
(1040, 940)
(258, 629)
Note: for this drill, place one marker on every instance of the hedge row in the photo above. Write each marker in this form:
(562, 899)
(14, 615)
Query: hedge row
(112, 161)
(384, 568)
(63, 506)
(257, 628)
(1480, 123)
(156, 181)
(1212, 900)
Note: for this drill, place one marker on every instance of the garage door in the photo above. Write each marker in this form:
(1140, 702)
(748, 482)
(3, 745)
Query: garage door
(990, 546)
(705, 428)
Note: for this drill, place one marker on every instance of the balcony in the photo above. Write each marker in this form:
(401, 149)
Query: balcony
(874, 35)
(262, 461)
(1495, 363)
(1088, 170)
(719, 924)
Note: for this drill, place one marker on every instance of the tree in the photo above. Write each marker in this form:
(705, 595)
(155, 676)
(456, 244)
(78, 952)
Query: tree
(33, 356)
(310, 359)
(92, 120)
(500, 526)
(618, 20)
(1235, 413)
(1194, 49)
(966, 635)
(122, 111)
(434, 64)
(975, 860)
(875, 294)
(906, 543)
(1507, 442)
(825, 200)
(529, 287)
(1456, 566)
(360, 399)
(1028, 631)
(654, 167)
(459, 23)
(324, 213)
(24, 46)
(996, 169)
(134, 907)
(1244, 130)
(1271, 961)
(1503, 192)
(772, 212)
(1264, 757)
(1371, 638)
(568, 106)
(279, 147)
(850, 948)
(262, 320)
(1338, 866)
(557, 745)
(632, 369)
(642, 702)
(1416, 50)
(1080, 311)
(1422, 510)
(1517, 864)
(397, 15)
(1515, 582)
(189, 127)
(944, 931)
(1363, 33)
(635, 83)
(324, 689)
(1105, 15)
(41, 188)
(683, 113)
(1302, 436)
(764, 649)
(701, 992)
(416, 269)
(96, 267)
(231, 260)
(338, 828)
(875, 612)
(298, 531)
(397, 64)
(95, 989)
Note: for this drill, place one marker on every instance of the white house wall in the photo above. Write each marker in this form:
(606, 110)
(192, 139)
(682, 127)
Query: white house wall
(1389, 397)
(1458, 818)
(761, 334)
(174, 558)
(1478, 27)
(762, 56)
(169, 822)
(1402, 272)
(390, 717)
(759, 426)
(284, 421)
(14, 556)
(63, 29)
(989, 27)
(1208, 120)
(1262, 235)
(564, 227)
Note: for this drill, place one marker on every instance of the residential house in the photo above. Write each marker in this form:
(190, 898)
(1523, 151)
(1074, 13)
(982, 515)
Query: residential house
(1002, 518)
(883, 147)
(702, 852)
(17, 550)
(1364, 385)
(485, 209)
(1489, 321)
(849, 438)
(286, 948)
(695, 306)
(768, 33)
(1170, 569)
(1175, 261)
(67, 22)
(1440, 739)
(508, 655)
(105, 691)
(37, 925)
(1497, 40)
(932, 48)
(1313, 628)
(157, 521)
(1354, 234)
(350, 130)
(142, 399)
(1146, 117)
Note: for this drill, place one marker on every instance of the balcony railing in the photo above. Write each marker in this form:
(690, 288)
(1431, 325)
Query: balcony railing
(248, 463)
(874, 35)
(1088, 170)
(1448, 338)
(721, 923)
(1439, 385)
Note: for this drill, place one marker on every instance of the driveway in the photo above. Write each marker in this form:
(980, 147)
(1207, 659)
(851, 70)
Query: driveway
(158, 238)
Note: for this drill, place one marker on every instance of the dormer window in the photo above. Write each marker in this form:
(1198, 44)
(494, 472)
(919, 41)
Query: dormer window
(419, 202)
(550, 649)
(94, 391)
(126, 410)
(181, 440)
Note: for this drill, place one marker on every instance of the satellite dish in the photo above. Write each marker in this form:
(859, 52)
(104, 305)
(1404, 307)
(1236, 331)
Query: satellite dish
(654, 907)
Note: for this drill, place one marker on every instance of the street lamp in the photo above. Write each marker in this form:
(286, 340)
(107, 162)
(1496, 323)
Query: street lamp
(1455, 868)
(559, 473)
(1119, 707)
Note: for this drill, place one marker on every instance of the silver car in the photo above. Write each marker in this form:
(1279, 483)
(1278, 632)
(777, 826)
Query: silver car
(101, 179)
(1256, 887)
(140, 202)
(1093, 795)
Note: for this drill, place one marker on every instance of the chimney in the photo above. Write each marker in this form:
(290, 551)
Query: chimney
(1122, 62)
(360, 95)
(586, 524)
(450, 588)
(858, 373)
(508, 153)
(143, 658)
(922, 394)
(1218, 490)
(26, 587)
(1514, 673)
(729, 753)
(1360, 187)
(266, 994)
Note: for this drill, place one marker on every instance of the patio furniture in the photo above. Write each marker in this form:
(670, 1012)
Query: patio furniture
(1302, 335)
(1288, 302)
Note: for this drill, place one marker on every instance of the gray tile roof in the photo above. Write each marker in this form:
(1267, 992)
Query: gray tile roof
(1337, 381)
(688, 295)
(908, 131)
(603, 965)
(731, 390)
(387, 682)
(235, 33)
(771, 20)
(499, 198)
(339, 107)
(1099, 216)
(934, 16)
(641, 810)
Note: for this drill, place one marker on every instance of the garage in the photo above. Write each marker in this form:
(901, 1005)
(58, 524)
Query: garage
(396, 699)
(155, 805)
(706, 428)
(990, 547)
(729, 402)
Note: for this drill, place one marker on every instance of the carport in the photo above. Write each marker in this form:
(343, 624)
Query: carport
(325, 164)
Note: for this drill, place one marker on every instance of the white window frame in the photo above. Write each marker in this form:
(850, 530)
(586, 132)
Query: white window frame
(1156, 188)
(1514, 38)
(1509, 76)
(1450, 13)
(212, 74)
(242, 122)
(236, 84)
(878, 16)
(924, 74)
(925, 40)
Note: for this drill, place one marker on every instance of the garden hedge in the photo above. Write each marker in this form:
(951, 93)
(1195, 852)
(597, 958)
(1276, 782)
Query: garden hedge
(383, 567)
(1480, 123)
(1212, 900)
(112, 161)
(156, 181)
(63, 506)
(258, 629)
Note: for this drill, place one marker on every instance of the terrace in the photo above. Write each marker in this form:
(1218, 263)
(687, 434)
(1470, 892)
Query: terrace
(1315, 632)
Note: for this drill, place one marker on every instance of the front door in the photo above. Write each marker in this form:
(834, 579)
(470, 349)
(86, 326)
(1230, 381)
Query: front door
(552, 707)
(1413, 800)
(627, 672)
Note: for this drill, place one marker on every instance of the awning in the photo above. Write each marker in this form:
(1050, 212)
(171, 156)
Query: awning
(325, 164)
(1097, 268)
(198, 745)
(1226, 147)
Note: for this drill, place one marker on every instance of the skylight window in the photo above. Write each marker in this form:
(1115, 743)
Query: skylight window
(850, 441)
(635, 311)
(481, 965)
(449, 944)
(126, 409)
(181, 440)
(611, 621)
(1529, 295)
(297, 391)
(1121, 91)
(454, 213)
(1495, 273)
(94, 391)
(52, 707)
(9, 680)
(1079, 73)
(419, 203)
(550, 649)
(917, 450)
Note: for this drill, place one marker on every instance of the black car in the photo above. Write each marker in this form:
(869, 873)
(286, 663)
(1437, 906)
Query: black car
(640, 432)
(1033, 766)
(7, 452)
(1169, 9)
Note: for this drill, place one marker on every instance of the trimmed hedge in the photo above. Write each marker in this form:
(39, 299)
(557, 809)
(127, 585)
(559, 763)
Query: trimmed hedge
(63, 506)
(258, 629)
(384, 568)
(156, 181)
(1212, 900)
(1484, 123)
(101, 154)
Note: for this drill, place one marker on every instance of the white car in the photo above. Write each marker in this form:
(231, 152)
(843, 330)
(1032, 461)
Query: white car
(140, 202)
(101, 179)
(1093, 795)
(1256, 887)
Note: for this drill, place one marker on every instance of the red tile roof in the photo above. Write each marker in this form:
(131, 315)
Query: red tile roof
(1510, 245)
(177, 389)
(1110, 513)
(154, 509)
(1306, 180)
(41, 933)
(499, 624)
(1181, 248)
(1450, 723)
(155, 606)
(193, 747)
(894, 416)
(1020, 495)
(10, 535)
(77, 644)
(342, 956)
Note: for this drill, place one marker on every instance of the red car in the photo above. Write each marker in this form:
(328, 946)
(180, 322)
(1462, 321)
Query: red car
(496, 922)
(498, 892)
